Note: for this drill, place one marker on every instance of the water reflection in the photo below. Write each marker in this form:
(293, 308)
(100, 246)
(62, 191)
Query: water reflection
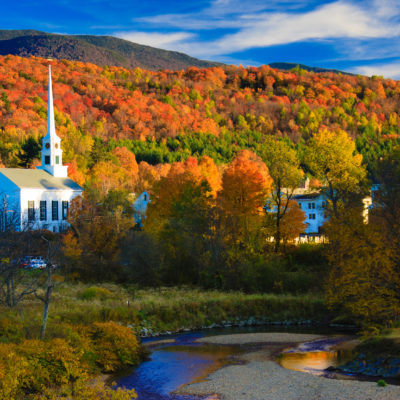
(173, 366)
(164, 373)
(315, 357)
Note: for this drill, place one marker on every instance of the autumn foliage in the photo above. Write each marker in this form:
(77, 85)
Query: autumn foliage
(166, 116)
(35, 367)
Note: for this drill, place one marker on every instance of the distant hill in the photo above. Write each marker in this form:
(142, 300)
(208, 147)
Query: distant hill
(100, 50)
(288, 66)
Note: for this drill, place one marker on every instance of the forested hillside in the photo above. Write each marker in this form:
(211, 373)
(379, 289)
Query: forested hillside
(100, 50)
(169, 115)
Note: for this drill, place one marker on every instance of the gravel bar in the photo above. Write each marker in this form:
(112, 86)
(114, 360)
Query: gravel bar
(253, 338)
(266, 380)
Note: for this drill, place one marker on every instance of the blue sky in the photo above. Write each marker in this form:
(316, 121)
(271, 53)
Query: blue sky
(356, 36)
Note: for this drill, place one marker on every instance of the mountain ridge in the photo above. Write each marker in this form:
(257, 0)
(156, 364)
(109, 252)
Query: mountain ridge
(107, 50)
(99, 50)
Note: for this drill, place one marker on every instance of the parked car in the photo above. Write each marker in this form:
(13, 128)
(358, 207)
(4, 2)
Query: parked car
(34, 262)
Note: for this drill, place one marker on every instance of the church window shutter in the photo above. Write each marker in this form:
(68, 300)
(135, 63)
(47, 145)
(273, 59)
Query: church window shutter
(43, 210)
(64, 210)
(31, 210)
(54, 210)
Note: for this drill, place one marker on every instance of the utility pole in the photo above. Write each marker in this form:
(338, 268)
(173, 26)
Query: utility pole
(5, 212)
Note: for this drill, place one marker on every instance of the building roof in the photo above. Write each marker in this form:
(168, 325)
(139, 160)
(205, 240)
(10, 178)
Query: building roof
(307, 196)
(38, 179)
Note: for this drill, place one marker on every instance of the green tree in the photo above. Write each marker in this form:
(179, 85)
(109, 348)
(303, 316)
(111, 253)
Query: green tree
(30, 150)
(186, 233)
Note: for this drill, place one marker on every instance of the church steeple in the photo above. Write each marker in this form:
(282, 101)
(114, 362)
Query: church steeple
(51, 143)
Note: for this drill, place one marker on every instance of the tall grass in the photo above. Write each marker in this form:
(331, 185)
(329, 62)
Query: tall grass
(161, 309)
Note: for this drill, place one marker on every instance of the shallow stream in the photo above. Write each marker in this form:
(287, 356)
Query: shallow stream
(178, 359)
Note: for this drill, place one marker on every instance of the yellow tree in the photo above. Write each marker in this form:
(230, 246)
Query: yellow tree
(178, 217)
(210, 171)
(284, 168)
(332, 158)
(92, 244)
(364, 281)
(127, 161)
(149, 175)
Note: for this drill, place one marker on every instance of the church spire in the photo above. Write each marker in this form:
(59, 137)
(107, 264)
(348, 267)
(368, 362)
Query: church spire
(51, 127)
(51, 143)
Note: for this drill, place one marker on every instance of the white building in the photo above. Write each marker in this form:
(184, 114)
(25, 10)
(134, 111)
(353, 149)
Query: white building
(313, 202)
(140, 208)
(39, 198)
(313, 205)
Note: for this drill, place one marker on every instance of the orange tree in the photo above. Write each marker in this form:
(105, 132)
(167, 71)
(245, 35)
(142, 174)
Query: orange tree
(245, 185)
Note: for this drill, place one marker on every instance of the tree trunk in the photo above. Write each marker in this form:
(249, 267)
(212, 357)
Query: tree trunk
(49, 289)
(278, 218)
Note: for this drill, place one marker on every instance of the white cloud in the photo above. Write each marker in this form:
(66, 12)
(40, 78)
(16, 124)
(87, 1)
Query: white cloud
(352, 25)
(223, 14)
(334, 20)
(387, 70)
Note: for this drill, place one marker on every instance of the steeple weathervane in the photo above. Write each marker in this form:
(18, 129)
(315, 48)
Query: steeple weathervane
(51, 143)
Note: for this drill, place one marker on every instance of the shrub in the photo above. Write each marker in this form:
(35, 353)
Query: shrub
(52, 362)
(10, 330)
(13, 371)
(115, 346)
(84, 391)
(95, 292)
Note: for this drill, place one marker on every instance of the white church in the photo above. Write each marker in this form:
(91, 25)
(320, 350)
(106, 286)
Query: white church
(38, 198)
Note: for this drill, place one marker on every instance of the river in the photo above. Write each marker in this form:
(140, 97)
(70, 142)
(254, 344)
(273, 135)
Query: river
(178, 359)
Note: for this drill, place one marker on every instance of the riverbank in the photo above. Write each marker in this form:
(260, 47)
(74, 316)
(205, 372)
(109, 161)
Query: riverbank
(78, 311)
(152, 312)
(377, 356)
(259, 378)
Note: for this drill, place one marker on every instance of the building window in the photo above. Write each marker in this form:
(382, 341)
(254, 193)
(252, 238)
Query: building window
(54, 210)
(311, 206)
(311, 216)
(47, 160)
(31, 210)
(64, 210)
(43, 210)
(323, 204)
(145, 197)
(57, 159)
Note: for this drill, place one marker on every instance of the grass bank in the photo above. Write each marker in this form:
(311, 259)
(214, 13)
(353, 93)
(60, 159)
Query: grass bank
(155, 310)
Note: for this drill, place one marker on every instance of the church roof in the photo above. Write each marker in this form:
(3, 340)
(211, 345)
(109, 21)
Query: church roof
(307, 196)
(38, 179)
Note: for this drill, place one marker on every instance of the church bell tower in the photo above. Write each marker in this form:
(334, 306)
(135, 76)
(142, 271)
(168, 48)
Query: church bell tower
(51, 143)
